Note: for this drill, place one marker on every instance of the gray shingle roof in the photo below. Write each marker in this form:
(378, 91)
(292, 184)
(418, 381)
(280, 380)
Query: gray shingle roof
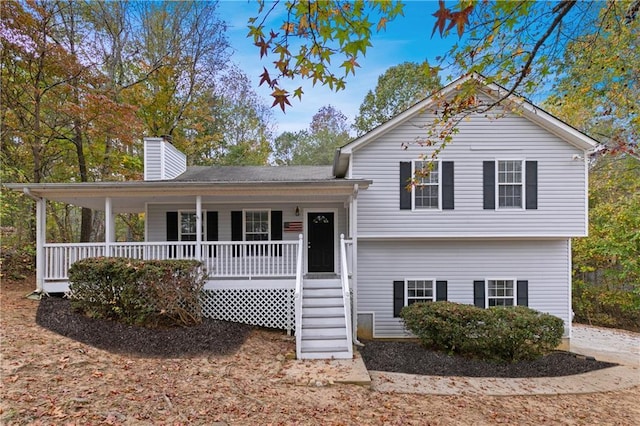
(256, 174)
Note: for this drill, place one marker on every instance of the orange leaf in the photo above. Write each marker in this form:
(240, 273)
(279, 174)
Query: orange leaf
(281, 97)
(265, 78)
(441, 18)
(382, 23)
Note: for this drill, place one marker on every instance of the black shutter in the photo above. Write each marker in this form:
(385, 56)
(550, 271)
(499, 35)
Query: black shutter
(172, 232)
(523, 293)
(447, 185)
(172, 226)
(276, 229)
(531, 177)
(441, 290)
(236, 226)
(398, 298)
(478, 293)
(236, 230)
(405, 179)
(489, 184)
(212, 231)
(212, 226)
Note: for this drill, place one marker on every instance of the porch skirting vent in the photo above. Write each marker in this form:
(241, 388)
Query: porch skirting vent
(272, 308)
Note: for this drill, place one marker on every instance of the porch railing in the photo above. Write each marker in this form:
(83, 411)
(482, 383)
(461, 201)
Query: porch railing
(346, 289)
(224, 259)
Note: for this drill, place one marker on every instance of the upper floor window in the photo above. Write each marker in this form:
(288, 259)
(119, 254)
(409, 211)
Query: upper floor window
(256, 225)
(510, 184)
(501, 293)
(426, 193)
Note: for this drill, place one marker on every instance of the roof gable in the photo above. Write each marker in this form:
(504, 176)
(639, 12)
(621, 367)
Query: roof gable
(528, 110)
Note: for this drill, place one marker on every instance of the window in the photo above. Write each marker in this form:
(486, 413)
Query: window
(501, 293)
(510, 184)
(188, 226)
(419, 291)
(256, 225)
(408, 291)
(426, 193)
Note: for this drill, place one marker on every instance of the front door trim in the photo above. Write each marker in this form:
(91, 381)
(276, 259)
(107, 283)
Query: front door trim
(336, 239)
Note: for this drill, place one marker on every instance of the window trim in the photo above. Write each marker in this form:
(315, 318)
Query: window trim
(514, 298)
(244, 223)
(419, 299)
(415, 185)
(523, 184)
(204, 225)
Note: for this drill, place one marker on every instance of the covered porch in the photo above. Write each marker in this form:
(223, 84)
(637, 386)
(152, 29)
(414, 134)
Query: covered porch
(259, 242)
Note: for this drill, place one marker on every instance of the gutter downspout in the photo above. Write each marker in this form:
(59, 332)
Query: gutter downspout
(41, 227)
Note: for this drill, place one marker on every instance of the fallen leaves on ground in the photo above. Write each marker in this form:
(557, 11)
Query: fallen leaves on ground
(50, 379)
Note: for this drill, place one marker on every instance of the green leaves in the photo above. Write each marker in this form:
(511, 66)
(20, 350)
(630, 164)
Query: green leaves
(324, 32)
(397, 89)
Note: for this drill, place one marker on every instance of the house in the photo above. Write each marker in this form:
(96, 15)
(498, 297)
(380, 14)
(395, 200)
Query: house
(328, 251)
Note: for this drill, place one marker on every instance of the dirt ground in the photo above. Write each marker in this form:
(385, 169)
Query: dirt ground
(49, 379)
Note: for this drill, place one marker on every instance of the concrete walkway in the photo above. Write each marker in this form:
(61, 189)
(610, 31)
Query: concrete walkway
(603, 344)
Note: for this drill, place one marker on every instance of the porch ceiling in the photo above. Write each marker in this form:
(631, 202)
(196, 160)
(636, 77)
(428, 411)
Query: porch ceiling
(131, 197)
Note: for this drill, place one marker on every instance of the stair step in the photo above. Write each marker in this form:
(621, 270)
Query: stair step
(321, 292)
(334, 283)
(322, 302)
(325, 345)
(321, 311)
(331, 337)
(314, 313)
(326, 355)
(328, 325)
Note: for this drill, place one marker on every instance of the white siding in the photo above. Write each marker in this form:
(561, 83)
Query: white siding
(175, 162)
(561, 182)
(162, 160)
(152, 159)
(156, 217)
(543, 263)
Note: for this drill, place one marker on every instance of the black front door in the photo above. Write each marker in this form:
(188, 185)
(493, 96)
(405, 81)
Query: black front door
(320, 242)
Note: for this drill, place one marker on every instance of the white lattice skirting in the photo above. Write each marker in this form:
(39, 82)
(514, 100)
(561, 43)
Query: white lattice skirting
(272, 308)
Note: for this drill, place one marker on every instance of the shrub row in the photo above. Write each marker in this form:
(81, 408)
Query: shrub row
(148, 293)
(606, 307)
(499, 334)
(16, 263)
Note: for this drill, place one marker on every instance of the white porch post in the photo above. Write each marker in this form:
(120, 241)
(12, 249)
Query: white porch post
(109, 226)
(199, 227)
(354, 259)
(41, 236)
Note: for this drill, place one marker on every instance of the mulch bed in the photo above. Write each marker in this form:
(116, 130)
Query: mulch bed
(208, 338)
(223, 338)
(412, 358)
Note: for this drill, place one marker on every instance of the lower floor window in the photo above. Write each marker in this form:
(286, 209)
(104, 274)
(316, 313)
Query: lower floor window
(501, 293)
(419, 291)
(256, 225)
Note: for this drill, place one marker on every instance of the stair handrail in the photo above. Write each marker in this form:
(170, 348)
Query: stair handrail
(297, 297)
(346, 293)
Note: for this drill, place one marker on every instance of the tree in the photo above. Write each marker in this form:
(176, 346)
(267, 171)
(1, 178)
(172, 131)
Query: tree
(315, 146)
(599, 88)
(513, 44)
(183, 48)
(325, 29)
(398, 88)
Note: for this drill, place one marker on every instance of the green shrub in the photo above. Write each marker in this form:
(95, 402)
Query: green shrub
(501, 334)
(606, 307)
(16, 263)
(149, 293)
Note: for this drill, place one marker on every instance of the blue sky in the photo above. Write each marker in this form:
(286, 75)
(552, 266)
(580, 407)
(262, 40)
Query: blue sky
(407, 38)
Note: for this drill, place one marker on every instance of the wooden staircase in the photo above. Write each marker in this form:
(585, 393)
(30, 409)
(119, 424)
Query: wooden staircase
(324, 326)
